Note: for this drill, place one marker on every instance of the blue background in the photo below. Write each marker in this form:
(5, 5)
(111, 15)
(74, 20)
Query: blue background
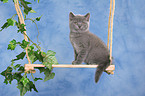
(128, 47)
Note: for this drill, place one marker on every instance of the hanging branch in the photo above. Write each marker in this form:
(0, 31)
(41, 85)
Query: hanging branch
(21, 19)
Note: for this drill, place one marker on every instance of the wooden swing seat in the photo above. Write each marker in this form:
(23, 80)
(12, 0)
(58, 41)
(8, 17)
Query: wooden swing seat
(30, 67)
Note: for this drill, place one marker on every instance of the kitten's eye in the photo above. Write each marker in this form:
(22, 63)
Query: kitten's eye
(84, 23)
(76, 22)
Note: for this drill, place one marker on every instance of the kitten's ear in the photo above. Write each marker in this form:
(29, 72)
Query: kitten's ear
(71, 15)
(87, 16)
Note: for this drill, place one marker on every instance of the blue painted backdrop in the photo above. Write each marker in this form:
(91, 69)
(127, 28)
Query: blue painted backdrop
(128, 47)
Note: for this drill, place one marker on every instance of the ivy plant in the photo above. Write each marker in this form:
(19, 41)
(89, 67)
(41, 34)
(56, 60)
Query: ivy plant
(16, 71)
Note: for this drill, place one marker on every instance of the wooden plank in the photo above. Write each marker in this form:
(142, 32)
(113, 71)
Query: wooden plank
(31, 66)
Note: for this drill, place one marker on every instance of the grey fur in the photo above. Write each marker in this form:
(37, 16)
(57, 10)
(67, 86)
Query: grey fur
(88, 47)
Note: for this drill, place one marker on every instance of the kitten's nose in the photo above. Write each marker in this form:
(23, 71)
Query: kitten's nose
(79, 25)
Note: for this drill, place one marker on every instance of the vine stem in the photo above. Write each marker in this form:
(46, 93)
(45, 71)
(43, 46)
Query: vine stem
(18, 10)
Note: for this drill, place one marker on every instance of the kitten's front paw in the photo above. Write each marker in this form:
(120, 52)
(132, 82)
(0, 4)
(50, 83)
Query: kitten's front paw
(75, 63)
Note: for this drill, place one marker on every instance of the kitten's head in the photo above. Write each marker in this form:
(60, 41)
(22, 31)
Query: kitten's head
(79, 23)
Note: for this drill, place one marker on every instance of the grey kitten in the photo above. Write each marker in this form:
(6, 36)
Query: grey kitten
(88, 47)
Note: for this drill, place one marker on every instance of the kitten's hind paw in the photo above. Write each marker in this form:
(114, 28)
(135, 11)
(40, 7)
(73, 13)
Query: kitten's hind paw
(109, 72)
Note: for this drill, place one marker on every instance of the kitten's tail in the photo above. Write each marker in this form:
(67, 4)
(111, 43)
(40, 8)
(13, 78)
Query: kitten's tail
(100, 69)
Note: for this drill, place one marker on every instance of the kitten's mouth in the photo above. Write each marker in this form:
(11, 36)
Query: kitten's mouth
(79, 29)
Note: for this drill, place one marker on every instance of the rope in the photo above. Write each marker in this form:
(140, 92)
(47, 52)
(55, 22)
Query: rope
(22, 22)
(110, 27)
(109, 24)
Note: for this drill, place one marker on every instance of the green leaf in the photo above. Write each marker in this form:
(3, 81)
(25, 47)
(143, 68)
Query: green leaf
(33, 11)
(50, 57)
(43, 54)
(24, 44)
(12, 45)
(25, 5)
(32, 54)
(37, 1)
(36, 79)
(28, 86)
(49, 76)
(17, 66)
(15, 1)
(26, 2)
(50, 53)
(53, 59)
(27, 10)
(6, 81)
(31, 47)
(11, 22)
(17, 76)
(7, 71)
(32, 86)
(12, 64)
(13, 41)
(48, 65)
(4, 26)
(8, 75)
(21, 27)
(32, 58)
(20, 86)
(22, 89)
(4, 73)
(4, 1)
(38, 56)
(41, 69)
(20, 56)
(21, 69)
(38, 18)
(24, 81)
